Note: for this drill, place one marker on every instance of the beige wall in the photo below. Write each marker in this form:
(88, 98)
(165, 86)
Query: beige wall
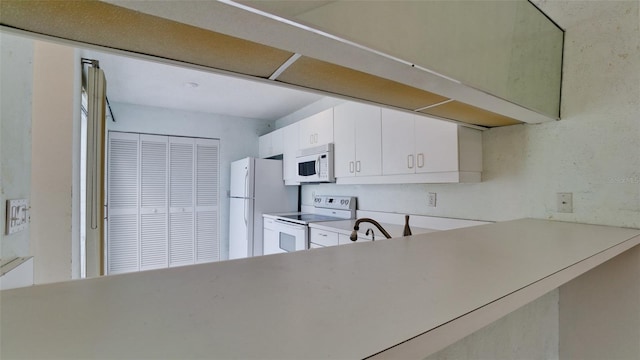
(600, 311)
(54, 78)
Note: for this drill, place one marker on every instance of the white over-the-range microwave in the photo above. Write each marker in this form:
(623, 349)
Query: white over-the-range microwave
(315, 164)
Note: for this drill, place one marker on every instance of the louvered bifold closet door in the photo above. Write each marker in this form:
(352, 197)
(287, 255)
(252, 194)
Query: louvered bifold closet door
(122, 200)
(181, 207)
(206, 197)
(154, 244)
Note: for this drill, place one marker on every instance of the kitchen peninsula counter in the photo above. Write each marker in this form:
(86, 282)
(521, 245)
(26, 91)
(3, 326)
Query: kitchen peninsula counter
(403, 298)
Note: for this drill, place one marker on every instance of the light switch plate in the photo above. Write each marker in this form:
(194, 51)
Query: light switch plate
(17, 216)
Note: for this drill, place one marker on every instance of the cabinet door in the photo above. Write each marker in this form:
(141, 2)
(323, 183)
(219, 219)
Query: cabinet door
(344, 140)
(277, 144)
(324, 127)
(290, 148)
(264, 145)
(436, 145)
(316, 129)
(271, 144)
(323, 237)
(397, 142)
(368, 140)
(345, 239)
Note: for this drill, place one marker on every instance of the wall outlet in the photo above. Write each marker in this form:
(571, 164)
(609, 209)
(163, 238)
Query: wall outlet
(431, 199)
(565, 202)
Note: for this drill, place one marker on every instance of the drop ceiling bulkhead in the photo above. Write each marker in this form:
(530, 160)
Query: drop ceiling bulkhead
(115, 27)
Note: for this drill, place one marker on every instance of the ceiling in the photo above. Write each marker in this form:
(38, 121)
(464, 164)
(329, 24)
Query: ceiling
(143, 82)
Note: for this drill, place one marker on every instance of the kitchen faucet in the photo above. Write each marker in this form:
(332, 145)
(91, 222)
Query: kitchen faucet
(356, 227)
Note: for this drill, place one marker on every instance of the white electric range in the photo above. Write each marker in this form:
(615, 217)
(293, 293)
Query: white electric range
(287, 232)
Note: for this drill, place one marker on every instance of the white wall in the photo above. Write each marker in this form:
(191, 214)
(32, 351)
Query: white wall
(238, 139)
(16, 72)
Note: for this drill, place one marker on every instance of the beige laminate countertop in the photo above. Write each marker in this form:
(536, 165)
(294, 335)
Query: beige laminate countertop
(396, 299)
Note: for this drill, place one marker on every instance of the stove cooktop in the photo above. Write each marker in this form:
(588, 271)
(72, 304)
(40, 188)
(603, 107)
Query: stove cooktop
(308, 217)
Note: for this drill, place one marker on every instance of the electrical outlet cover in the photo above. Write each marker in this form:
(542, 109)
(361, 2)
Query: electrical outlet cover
(431, 199)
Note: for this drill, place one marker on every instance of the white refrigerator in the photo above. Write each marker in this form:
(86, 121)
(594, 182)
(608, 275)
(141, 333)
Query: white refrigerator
(256, 187)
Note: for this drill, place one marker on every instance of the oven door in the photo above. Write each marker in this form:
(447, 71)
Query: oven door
(282, 236)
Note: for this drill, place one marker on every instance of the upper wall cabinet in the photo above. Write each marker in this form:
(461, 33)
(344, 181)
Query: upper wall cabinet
(316, 130)
(357, 137)
(271, 144)
(430, 150)
(290, 150)
(374, 145)
(488, 63)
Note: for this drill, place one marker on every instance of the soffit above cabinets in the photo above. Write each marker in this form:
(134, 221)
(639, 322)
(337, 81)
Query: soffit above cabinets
(98, 23)
(236, 39)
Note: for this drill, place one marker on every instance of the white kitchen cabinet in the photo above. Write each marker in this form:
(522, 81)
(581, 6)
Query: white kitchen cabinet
(316, 129)
(398, 142)
(436, 145)
(413, 144)
(345, 239)
(323, 237)
(357, 140)
(290, 148)
(271, 144)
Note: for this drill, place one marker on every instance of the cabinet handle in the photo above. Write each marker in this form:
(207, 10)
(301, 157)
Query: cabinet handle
(321, 234)
(315, 138)
(351, 167)
(358, 166)
(311, 139)
(410, 161)
(420, 160)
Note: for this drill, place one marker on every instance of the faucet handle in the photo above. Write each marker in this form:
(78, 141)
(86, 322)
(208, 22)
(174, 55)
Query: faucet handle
(407, 230)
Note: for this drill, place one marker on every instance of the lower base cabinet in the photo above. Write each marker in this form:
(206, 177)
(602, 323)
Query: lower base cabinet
(323, 238)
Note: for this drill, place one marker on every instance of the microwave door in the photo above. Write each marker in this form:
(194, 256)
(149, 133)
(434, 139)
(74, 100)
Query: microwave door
(307, 168)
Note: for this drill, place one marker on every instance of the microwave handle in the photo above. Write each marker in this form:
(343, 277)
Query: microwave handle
(318, 165)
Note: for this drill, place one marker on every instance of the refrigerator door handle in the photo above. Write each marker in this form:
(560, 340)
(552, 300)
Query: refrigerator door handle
(244, 206)
(246, 183)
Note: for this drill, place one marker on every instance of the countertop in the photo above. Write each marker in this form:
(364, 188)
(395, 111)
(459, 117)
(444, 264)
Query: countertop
(346, 226)
(403, 298)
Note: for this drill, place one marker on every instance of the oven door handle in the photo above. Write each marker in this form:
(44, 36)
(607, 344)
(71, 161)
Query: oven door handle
(290, 225)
